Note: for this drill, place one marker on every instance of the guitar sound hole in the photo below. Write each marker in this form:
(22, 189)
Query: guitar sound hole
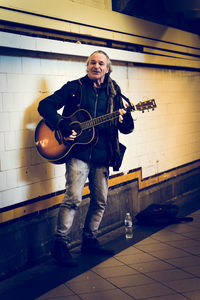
(76, 126)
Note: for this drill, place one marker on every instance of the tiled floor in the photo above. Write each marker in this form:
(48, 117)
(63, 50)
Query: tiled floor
(163, 265)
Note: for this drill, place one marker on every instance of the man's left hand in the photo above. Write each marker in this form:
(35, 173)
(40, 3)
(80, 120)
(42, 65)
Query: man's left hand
(122, 112)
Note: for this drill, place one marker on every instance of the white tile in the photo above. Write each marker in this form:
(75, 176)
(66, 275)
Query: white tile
(15, 83)
(7, 102)
(31, 83)
(48, 66)
(59, 183)
(11, 196)
(10, 140)
(11, 64)
(31, 65)
(4, 122)
(15, 120)
(1, 102)
(59, 170)
(31, 174)
(11, 178)
(2, 141)
(14, 159)
(3, 183)
(27, 42)
(36, 158)
(1, 200)
(3, 83)
(9, 40)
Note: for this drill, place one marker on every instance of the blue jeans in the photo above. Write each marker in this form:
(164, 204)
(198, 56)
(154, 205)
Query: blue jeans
(77, 172)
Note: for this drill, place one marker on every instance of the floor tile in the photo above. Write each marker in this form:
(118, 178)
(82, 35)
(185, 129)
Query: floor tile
(147, 241)
(130, 281)
(89, 275)
(180, 228)
(169, 275)
(193, 295)
(129, 251)
(184, 244)
(193, 250)
(150, 290)
(111, 262)
(154, 247)
(169, 297)
(195, 270)
(129, 259)
(196, 221)
(185, 285)
(115, 294)
(172, 253)
(89, 286)
(165, 235)
(193, 235)
(190, 260)
(60, 291)
(71, 297)
(115, 271)
(156, 265)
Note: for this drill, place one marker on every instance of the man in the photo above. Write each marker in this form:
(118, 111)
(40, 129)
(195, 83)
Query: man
(98, 94)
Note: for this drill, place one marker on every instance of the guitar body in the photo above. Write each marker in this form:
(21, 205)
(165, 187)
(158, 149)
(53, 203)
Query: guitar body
(52, 146)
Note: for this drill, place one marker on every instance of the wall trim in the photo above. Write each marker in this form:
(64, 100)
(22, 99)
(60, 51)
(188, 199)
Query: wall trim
(49, 201)
(38, 44)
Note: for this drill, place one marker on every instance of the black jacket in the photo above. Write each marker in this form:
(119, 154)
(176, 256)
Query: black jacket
(80, 94)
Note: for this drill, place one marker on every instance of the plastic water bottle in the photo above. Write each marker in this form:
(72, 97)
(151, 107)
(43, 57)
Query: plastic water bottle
(128, 226)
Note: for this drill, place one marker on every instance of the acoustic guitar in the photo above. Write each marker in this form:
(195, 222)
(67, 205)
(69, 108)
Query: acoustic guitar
(55, 148)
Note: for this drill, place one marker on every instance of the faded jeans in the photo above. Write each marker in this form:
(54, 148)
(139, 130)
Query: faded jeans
(77, 172)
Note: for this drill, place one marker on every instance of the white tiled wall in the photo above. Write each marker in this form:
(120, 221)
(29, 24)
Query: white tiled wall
(162, 139)
(169, 136)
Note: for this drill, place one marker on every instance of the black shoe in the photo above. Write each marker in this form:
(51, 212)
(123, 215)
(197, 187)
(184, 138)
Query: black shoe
(62, 255)
(91, 246)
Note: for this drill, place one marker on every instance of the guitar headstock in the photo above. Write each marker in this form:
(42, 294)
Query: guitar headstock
(146, 105)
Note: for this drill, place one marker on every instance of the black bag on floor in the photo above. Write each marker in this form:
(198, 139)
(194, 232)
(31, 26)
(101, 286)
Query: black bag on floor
(160, 214)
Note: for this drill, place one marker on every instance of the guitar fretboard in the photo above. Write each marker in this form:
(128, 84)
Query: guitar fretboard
(99, 120)
(141, 106)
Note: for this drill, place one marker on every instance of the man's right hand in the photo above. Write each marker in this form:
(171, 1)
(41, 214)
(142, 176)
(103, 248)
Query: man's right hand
(71, 137)
(65, 128)
(67, 133)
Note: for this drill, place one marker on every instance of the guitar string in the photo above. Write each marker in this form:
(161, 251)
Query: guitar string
(99, 120)
(110, 116)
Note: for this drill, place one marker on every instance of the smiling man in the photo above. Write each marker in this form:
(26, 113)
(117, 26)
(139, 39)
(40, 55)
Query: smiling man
(98, 65)
(97, 94)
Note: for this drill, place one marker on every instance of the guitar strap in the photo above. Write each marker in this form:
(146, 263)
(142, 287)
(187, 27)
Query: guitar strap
(127, 100)
(112, 92)
(80, 83)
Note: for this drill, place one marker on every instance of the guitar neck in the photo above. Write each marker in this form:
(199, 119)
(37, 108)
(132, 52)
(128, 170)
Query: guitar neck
(100, 120)
(141, 106)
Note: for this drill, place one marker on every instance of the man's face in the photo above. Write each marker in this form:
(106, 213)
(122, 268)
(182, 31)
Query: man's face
(97, 67)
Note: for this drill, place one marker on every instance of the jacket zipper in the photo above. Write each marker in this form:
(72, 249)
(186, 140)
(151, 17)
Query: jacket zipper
(95, 114)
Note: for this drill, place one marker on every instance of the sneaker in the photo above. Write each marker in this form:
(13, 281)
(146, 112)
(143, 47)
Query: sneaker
(62, 255)
(92, 246)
